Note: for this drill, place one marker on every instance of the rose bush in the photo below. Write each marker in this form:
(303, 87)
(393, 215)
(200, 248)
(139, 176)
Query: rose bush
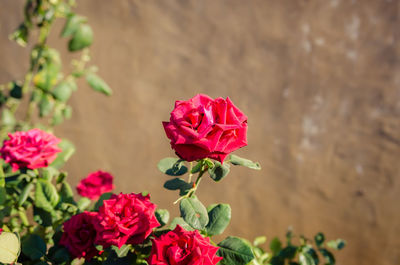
(43, 223)
(181, 247)
(32, 149)
(125, 218)
(203, 127)
(95, 184)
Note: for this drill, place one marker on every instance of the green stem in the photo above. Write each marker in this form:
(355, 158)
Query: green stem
(212, 242)
(2, 176)
(44, 33)
(196, 184)
(23, 217)
(192, 191)
(190, 172)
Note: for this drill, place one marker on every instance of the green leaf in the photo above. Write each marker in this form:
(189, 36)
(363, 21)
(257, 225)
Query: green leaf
(67, 112)
(172, 166)
(99, 203)
(34, 246)
(61, 177)
(36, 95)
(98, 84)
(3, 195)
(3, 98)
(82, 38)
(123, 251)
(45, 105)
(162, 216)
(306, 259)
(25, 193)
(219, 218)
(194, 213)
(61, 256)
(2, 176)
(211, 206)
(259, 240)
(9, 247)
(178, 184)
(72, 25)
(68, 149)
(16, 91)
(308, 256)
(62, 91)
(197, 167)
(66, 193)
(179, 221)
(239, 161)
(288, 252)
(52, 56)
(20, 35)
(95, 262)
(113, 259)
(49, 172)
(46, 195)
(47, 77)
(42, 217)
(337, 244)
(83, 203)
(235, 251)
(218, 171)
(275, 245)
(319, 239)
(7, 117)
(58, 117)
(276, 260)
(329, 258)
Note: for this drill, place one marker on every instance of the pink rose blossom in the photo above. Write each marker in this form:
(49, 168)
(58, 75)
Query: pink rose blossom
(184, 248)
(95, 184)
(125, 219)
(204, 127)
(32, 149)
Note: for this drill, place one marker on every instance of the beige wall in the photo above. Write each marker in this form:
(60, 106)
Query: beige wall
(319, 81)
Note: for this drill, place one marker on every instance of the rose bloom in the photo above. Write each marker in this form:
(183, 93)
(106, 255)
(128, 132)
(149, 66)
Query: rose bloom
(79, 235)
(32, 149)
(204, 127)
(95, 184)
(181, 247)
(125, 219)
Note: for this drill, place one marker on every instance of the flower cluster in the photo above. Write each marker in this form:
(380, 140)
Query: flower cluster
(124, 218)
(199, 129)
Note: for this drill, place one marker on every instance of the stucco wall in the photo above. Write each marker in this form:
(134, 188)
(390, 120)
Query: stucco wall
(319, 81)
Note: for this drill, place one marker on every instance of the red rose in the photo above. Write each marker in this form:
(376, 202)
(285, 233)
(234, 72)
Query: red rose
(95, 184)
(32, 149)
(125, 218)
(181, 247)
(79, 235)
(202, 127)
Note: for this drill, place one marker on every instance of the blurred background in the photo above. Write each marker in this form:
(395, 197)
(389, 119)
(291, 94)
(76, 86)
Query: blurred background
(319, 81)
